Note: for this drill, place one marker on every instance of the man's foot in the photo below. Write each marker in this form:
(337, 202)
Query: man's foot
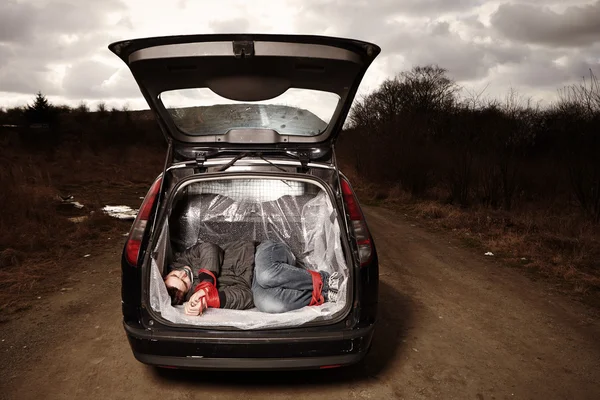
(334, 282)
(333, 286)
(332, 296)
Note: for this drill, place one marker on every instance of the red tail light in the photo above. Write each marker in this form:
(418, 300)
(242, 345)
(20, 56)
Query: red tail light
(136, 234)
(330, 366)
(358, 224)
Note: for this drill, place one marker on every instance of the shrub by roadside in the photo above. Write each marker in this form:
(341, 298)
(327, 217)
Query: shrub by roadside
(38, 241)
(560, 245)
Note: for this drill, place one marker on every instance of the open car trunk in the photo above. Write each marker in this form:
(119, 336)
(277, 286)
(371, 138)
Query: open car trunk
(297, 210)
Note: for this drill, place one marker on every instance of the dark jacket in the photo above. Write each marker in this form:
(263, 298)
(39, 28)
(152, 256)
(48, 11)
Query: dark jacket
(233, 265)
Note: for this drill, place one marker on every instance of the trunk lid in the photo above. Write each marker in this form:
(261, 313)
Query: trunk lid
(245, 91)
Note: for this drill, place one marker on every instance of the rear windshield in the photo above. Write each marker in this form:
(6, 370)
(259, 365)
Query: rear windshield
(301, 112)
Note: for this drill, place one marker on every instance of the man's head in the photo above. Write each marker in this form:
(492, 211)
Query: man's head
(178, 283)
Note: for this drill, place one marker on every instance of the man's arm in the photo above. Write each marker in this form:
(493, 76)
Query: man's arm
(237, 297)
(207, 256)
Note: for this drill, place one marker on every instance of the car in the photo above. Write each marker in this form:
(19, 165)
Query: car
(251, 122)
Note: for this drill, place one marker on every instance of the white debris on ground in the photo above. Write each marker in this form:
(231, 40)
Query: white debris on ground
(489, 253)
(120, 212)
(69, 200)
(78, 219)
(87, 255)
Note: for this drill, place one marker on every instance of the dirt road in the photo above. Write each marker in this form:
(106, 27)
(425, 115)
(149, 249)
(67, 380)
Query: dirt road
(453, 325)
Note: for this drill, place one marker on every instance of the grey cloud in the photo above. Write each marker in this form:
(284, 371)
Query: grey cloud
(441, 28)
(362, 11)
(364, 19)
(122, 85)
(15, 21)
(22, 22)
(429, 7)
(542, 72)
(235, 25)
(436, 43)
(53, 33)
(415, 41)
(27, 80)
(95, 80)
(85, 79)
(508, 53)
(577, 26)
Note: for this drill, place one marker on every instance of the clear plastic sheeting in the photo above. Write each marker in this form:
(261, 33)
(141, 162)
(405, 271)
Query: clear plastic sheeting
(300, 214)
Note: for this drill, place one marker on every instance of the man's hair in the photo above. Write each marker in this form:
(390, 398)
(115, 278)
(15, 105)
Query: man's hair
(173, 294)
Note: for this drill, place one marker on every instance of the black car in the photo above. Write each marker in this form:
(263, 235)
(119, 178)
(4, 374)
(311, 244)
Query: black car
(251, 122)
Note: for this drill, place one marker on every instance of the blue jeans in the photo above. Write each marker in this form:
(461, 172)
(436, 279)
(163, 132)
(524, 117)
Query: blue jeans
(279, 285)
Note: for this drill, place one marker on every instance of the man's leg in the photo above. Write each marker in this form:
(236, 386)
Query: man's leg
(275, 268)
(279, 285)
(280, 300)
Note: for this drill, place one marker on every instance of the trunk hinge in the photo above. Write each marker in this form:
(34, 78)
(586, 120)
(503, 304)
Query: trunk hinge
(200, 160)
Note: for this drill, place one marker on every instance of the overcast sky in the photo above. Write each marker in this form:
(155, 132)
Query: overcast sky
(536, 47)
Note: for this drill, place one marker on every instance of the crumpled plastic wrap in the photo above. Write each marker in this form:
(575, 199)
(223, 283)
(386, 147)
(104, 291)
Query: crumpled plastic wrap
(302, 216)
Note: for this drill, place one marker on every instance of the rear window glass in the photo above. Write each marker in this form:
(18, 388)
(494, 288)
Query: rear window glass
(200, 111)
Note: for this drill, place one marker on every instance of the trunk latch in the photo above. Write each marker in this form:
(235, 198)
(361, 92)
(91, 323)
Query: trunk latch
(243, 49)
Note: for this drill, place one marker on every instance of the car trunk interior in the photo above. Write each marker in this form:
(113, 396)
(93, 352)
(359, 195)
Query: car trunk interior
(218, 208)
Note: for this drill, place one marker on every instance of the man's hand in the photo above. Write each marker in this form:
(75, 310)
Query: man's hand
(197, 303)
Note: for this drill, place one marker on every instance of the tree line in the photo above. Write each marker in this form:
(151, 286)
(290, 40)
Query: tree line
(44, 126)
(415, 131)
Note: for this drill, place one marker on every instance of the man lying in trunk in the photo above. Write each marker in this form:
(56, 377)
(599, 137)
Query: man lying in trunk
(278, 286)
(194, 274)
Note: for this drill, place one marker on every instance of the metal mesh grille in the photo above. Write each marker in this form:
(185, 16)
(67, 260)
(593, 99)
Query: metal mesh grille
(250, 190)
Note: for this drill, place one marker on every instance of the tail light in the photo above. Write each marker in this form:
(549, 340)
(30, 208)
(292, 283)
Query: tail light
(358, 224)
(136, 234)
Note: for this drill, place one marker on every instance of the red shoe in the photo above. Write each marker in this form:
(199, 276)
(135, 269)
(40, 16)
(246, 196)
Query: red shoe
(317, 295)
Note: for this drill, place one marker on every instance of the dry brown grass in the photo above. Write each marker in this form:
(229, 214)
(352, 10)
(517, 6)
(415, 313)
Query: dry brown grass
(38, 242)
(557, 243)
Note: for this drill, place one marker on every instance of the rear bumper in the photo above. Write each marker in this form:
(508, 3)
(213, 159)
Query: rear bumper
(250, 364)
(251, 353)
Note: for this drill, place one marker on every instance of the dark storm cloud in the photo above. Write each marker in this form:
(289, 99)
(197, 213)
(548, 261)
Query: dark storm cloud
(576, 26)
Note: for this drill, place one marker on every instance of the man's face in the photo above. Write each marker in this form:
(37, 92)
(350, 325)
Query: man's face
(178, 284)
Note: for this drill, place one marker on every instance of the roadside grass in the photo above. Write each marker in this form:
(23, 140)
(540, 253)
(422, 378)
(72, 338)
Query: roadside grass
(557, 244)
(38, 242)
